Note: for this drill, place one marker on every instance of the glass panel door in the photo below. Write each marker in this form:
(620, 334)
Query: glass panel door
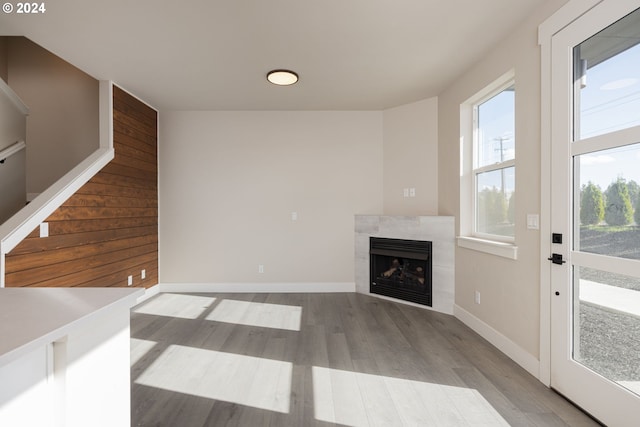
(606, 327)
(595, 357)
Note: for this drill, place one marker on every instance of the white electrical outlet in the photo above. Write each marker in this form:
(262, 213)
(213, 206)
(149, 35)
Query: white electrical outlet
(143, 274)
(129, 280)
(477, 297)
(405, 192)
(260, 268)
(294, 216)
(44, 229)
(412, 192)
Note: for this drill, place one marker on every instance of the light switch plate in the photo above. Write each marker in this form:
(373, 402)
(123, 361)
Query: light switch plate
(533, 221)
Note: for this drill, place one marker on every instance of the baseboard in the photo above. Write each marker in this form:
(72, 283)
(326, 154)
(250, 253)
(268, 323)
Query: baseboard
(148, 293)
(290, 287)
(502, 343)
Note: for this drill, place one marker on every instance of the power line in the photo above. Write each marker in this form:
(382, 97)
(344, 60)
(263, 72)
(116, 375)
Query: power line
(597, 107)
(600, 131)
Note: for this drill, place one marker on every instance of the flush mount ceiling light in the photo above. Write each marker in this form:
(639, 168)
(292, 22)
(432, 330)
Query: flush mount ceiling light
(282, 77)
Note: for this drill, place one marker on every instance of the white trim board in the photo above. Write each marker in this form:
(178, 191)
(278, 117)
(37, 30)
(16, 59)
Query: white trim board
(16, 228)
(564, 16)
(501, 342)
(288, 287)
(12, 149)
(149, 293)
(503, 249)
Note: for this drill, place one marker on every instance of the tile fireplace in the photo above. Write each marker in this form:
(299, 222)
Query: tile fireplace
(438, 231)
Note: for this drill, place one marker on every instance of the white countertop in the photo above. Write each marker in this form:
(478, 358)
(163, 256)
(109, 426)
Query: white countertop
(31, 317)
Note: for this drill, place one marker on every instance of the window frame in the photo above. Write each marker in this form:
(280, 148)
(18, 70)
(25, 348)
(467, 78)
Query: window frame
(498, 166)
(470, 237)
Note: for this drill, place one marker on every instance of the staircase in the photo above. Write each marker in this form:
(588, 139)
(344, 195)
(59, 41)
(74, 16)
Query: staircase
(20, 224)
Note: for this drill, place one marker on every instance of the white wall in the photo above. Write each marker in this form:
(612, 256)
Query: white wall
(509, 289)
(411, 158)
(12, 185)
(63, 124)
(4, 66)
(13, 128)
(13, 121)
(229, 182)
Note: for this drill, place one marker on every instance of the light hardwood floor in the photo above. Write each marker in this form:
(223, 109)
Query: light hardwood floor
(324, 359)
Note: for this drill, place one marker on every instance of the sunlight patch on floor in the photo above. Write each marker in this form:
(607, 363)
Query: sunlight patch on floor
(245, 380)
(257, 314)
(356, 399)
(176, 305)
(139, 348)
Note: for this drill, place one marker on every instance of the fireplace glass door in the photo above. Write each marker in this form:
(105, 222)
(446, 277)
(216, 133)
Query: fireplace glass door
(401, 269)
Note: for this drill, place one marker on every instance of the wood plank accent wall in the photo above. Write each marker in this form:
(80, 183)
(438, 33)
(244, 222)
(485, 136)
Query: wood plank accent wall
(108, 230)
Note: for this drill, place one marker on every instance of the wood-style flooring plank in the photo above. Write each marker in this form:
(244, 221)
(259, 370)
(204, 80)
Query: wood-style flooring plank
(324, 360)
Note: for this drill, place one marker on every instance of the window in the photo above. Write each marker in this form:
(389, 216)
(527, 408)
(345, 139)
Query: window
(494, 166)
(487, 186)
(606, 89)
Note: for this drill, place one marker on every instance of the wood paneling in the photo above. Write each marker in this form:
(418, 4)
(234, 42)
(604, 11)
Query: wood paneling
(108, 230)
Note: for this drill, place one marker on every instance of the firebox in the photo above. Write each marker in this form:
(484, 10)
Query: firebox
(401, 269)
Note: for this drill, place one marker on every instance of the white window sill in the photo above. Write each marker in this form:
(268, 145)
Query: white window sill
(506, 250)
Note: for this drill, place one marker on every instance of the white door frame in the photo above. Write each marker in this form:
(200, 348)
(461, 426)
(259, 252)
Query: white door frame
(559, 20)
(569, 376)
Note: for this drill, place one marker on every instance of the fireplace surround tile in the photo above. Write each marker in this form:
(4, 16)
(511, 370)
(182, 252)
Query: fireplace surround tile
(437, 229)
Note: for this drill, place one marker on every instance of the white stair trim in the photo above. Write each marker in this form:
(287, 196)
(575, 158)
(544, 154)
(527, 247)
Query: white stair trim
(14, 98)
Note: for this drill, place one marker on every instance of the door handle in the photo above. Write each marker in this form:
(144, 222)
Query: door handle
(556, 259)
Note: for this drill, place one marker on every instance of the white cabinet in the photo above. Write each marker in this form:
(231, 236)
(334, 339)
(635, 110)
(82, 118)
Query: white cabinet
(64, 356)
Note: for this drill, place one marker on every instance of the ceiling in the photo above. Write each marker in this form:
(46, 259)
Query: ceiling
(214, 54)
